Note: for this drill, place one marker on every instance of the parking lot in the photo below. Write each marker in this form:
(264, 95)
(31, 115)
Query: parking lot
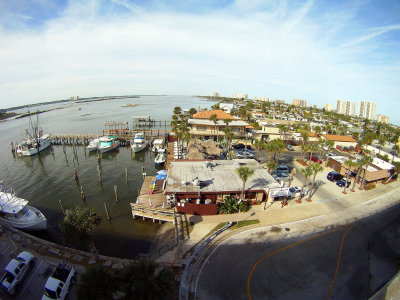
(33, 283)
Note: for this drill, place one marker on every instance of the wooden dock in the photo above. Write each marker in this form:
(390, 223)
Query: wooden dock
(152, 203)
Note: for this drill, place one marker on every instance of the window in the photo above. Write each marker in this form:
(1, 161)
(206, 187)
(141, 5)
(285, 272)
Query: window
(201, 128)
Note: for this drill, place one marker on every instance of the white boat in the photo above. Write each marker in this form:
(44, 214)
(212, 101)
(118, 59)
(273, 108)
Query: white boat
(108, 143)
(33, 146)
(157, 145)
(17, 213)
(36, 141)
(93, 145)
(161, 157)
(139, 143)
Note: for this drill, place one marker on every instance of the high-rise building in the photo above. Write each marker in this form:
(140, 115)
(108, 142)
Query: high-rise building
(382, 119)
(367, 110)
(328, 107)
(300, 102)
(346, 107)
(280, 101)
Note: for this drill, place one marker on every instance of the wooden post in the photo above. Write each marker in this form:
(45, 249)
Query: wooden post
(83, 197)
(98, 158)
(116, 192)
(76, 174)
(62, 207)
(126, 174)
(108, 214)
(99, 173)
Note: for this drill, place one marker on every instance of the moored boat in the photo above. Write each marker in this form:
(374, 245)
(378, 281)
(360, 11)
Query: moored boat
(93, 145)
(161, 157)
(139, 143)
(108, 143)
(157, 145)
(17, 213)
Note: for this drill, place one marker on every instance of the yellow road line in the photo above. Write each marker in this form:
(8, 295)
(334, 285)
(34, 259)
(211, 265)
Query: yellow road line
(280, 250)
(328, 295)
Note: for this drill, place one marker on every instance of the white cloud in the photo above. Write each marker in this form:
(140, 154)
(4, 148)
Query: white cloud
(276, 54)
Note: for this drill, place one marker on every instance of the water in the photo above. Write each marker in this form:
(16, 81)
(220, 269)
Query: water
(46, 178)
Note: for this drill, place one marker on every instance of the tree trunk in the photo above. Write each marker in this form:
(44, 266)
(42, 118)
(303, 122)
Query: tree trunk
(347, 179)
(312, 187)
(355, 181)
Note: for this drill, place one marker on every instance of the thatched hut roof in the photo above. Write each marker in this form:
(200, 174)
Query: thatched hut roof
(208, 143)
(215, 151)
(195, 155)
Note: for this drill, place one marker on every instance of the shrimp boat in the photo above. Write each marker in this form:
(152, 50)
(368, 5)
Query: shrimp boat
(157, 145)
(17, 213)
(93, 145)
(108, 143)
(36, 141)
(139, 143)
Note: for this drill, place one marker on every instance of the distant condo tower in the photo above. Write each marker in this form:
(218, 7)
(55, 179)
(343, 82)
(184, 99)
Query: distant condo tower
(382, 119)
(345, 107)
(328, 107)
(367, 110)
(300, 102)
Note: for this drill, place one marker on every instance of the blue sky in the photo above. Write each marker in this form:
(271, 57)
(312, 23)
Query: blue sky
(320, 51)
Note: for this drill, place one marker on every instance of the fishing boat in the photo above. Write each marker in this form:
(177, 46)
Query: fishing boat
(108, 143)
(17, 213)
(36, 141)
(161, 157)
(93, 145)
(157, 145)
(139, 143)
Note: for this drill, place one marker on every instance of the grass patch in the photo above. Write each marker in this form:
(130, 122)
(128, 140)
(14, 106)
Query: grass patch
(219, 226)
(245, 223)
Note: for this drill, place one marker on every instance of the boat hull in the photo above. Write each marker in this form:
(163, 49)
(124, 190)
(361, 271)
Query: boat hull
(138, 148)
(107, 149)
(32, 151)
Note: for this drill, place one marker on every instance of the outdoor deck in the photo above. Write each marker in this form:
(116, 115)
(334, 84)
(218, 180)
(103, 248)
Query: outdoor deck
(151, 202)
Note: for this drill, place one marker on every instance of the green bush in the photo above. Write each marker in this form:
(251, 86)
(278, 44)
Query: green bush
(231, 206)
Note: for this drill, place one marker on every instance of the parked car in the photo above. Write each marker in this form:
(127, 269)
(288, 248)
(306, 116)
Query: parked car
(316, 159)
(334, 176)
(16, 271)
(59, 282)
(342, 182)
(244, 154)
(241, 146)
(290, 147)
(281, 176)
(283, 168)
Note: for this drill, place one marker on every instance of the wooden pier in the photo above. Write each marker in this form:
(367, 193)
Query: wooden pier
(151, 202)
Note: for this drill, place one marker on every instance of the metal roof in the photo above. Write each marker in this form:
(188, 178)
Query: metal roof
(10, 204)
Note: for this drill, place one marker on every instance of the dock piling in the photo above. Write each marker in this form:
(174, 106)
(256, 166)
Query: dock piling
(99, 173)
(62, 207)
(108, 214)
(83, 197)
(116, 193)
(76, 174)
(126, 174)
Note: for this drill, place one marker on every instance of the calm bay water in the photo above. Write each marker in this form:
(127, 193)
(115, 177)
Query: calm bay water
(46, 178)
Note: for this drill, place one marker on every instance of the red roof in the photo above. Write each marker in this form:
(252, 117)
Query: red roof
(206, 114)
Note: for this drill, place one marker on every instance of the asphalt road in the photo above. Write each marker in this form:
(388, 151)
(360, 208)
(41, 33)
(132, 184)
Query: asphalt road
(352, 262)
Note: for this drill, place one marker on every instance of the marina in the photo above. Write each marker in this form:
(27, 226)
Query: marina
(47, 179)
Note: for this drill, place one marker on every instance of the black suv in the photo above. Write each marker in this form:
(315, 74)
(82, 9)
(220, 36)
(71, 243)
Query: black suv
(334, 176)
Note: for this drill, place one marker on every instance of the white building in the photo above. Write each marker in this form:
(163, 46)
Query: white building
(300, 102)
(346, 107)
(367, 110)
(382, 119)
(328, 107)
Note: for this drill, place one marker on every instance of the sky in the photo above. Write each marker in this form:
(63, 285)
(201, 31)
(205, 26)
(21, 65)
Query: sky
(317, 50)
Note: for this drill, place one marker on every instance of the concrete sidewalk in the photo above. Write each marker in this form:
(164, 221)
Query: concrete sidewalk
(307, 216)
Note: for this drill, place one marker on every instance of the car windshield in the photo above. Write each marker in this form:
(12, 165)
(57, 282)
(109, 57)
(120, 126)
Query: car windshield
(49, 293)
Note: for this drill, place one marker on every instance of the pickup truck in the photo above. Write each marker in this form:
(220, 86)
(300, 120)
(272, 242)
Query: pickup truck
(16, 270)
(58, 284)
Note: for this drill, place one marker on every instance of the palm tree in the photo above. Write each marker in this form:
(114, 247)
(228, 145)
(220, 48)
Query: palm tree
(281, 128)
(315, 169)
(229, 135)
(214, 119)
(142, 279)
(304, 135)
(79, 225)
(307, 172)
(348, 164)
(317, 130)
(395, 151)
(258, 144)
(360, 167)
(192, 111)
(230, 206)
(269, 147)
(271, 166)
(279, 146)
(244, 174)
(97, 283)
(382, 143)
(313, 148)
(177, 110)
